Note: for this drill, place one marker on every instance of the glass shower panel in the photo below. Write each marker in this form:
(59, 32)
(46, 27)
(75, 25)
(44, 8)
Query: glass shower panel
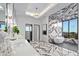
(28, 32)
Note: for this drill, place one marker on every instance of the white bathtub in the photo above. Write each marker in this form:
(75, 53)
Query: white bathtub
(59, 39)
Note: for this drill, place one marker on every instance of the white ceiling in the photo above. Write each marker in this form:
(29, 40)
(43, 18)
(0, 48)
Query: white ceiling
(22, 8)
(32, 7)
(44, 9)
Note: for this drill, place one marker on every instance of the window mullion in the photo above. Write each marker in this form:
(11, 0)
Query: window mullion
(68, 28)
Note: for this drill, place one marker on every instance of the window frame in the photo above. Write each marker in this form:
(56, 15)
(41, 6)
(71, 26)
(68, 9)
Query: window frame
(69, 25)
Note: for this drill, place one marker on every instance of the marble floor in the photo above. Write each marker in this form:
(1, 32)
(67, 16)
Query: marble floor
(47, 49)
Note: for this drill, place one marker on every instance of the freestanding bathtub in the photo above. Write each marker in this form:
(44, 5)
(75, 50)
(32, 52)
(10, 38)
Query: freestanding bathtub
(59, 39)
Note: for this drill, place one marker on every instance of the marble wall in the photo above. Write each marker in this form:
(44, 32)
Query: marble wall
(55, 20)
(55, 29)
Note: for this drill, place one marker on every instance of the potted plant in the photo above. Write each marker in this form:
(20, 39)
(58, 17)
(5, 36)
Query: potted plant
(5, 30)
(15, 31)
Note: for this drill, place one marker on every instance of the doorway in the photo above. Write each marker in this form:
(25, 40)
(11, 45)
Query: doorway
(36, 32)
(28, 32)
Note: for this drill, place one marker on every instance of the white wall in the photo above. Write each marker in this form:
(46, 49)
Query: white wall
(22, 20)
(44, 21)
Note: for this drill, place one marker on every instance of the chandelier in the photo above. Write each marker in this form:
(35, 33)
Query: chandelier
(36, 13)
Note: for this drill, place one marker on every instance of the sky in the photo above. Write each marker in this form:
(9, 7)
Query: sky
(72, 26)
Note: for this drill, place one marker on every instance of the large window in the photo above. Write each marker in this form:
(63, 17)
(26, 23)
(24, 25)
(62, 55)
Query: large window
(65, 29)
(70, 28)
(28, 28)
(2, 25)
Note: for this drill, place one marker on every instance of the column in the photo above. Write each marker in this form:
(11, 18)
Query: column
(10, 17)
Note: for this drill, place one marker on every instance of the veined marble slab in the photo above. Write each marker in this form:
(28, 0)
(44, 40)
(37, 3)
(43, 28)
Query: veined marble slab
(54, 51)
(23, 48)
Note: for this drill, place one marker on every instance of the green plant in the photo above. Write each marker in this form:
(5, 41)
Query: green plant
(6, 29)
(15, 29)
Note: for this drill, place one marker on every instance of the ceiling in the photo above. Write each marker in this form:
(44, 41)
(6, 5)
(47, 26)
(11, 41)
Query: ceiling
(44, 9)
(22, 8)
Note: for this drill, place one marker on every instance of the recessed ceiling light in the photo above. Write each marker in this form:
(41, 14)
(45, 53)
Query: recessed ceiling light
(28, 13)
(36, 14)
(32, 14)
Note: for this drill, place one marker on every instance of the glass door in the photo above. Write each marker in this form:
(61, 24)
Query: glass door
(28, 32)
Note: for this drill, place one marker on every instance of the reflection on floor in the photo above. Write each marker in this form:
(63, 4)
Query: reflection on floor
(47, 49)
(69, 46)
